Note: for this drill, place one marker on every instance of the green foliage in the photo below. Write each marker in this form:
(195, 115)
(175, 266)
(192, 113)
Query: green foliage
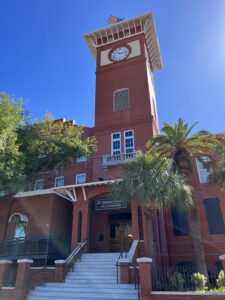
(12, 118)
(28, 149)
(47, 144)
(176, 282)
(221, 280)
(218, 176)
(199, 281)
(178, 144)
(218, 290)
(151, 180)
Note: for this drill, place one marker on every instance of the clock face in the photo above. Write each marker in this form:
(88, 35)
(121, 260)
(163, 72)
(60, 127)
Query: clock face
(119, 53)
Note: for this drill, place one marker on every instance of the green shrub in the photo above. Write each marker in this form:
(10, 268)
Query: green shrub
(199, 281)
(221, 280)
(176, 282)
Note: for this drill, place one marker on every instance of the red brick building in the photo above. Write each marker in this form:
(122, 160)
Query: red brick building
(73, 204)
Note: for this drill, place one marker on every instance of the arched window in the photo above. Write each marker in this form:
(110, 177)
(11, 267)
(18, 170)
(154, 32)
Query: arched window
(20, 221)
(79, 229)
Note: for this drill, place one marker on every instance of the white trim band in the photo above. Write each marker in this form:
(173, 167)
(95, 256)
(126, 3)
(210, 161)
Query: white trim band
(25, 260)
(5, 261)
(144, 259)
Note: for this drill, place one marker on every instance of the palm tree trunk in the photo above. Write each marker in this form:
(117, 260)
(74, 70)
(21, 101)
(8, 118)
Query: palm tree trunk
(196, 241)
(150, 243)
(192, 218)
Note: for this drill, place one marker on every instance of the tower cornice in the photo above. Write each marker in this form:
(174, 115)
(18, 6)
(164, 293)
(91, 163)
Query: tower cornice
(120, 31)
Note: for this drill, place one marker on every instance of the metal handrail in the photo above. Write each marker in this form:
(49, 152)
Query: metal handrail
(117, 263)
(72, 255)
(67, 261)
(136, 278)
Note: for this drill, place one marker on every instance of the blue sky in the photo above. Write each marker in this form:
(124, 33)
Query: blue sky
(44, 58)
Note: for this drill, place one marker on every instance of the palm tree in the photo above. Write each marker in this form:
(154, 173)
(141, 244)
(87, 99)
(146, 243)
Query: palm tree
(218, 176)
(178, 144)
(150, 180)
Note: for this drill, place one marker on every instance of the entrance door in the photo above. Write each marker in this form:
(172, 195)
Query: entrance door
(119, 240)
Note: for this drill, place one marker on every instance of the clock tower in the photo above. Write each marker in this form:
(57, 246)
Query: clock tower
(126, 54)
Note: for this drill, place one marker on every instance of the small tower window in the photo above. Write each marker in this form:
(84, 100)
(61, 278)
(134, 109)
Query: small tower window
(121, 99)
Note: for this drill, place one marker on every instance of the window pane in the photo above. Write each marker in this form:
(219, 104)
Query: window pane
(20, 230)
(39, 184)
(128, 133)
(59, 181)
(179, 222)
(82, 159)
(214, 216)
(80, 178)
(202, 171)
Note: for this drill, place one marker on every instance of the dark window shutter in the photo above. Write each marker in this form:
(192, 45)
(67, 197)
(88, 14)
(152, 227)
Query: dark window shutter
(214, 216)
(180, 227)
(121, 100)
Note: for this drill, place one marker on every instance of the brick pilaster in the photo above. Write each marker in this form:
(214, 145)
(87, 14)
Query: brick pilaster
(124, 271)
(59, 270)
(23, 273)
(145, 277)
(4, 269)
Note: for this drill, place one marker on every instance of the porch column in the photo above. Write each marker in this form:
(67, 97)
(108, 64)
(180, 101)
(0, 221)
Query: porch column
(135, 225)
(145, 277)
(81, 209)
(4, 269)
(222, 258)
(85, 222)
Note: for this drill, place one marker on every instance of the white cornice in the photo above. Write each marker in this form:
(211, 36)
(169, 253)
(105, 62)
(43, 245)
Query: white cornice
(147, 25)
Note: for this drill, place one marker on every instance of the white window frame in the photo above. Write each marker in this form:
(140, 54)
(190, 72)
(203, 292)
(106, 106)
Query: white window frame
(59, 177)
(81, 159)
(35, 186)
(113, 140)
(128, 137)
(203, 173)
(81, 174)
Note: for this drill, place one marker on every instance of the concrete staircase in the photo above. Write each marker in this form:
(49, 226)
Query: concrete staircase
(92, 278)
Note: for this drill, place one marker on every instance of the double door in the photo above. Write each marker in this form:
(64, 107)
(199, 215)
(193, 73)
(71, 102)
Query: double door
(119, 236)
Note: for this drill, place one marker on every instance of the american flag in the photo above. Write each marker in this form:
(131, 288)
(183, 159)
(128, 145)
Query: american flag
(113, 19)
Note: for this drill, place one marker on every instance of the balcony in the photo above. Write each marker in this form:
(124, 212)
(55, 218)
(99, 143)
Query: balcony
(112, 160)
(34, 248)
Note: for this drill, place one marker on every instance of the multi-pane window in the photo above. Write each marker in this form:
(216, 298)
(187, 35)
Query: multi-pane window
(80, 178)
(39, 184)
(82, 159)
(116, 143)
(59, 181)
(203, 172)
(121, 100)
(129, 141)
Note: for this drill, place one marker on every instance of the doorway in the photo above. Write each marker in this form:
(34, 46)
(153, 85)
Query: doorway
(120, 229)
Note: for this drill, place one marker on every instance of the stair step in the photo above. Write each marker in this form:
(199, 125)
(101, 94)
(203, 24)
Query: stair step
(72, 298)
(92, 294)
(118, 290)
(86, 285)
(94, 277)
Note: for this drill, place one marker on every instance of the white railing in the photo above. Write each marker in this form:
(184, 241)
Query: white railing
(111, 160)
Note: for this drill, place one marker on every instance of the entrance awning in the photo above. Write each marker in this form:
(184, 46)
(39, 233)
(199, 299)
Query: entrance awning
(69, 191)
